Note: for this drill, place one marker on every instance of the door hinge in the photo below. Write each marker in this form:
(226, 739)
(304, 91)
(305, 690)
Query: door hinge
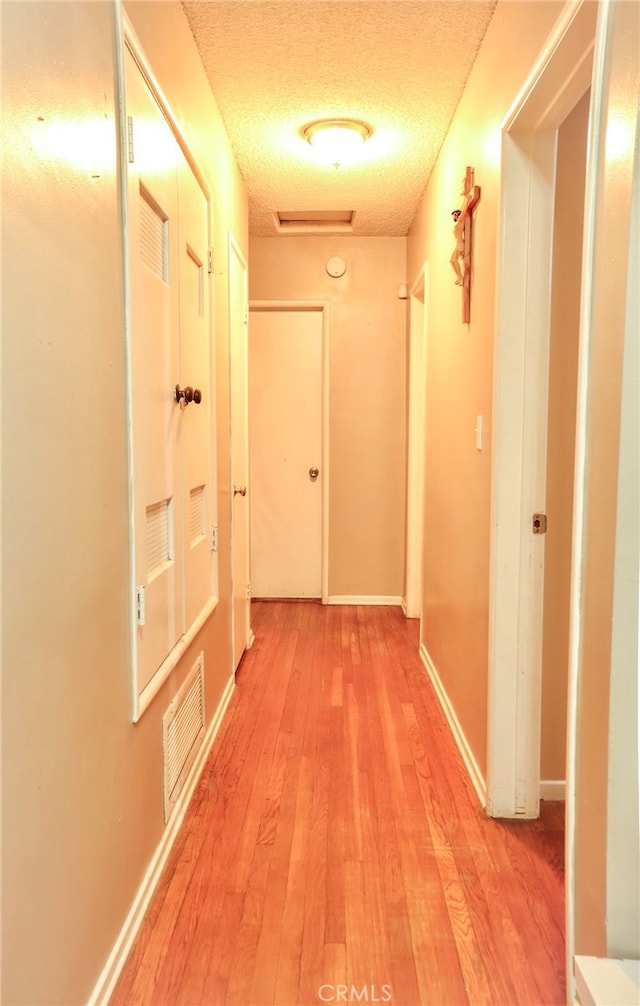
(214, 539)
(539, 523)
(130, 139)
(248, 591)
(141, 609)
(210, 261)
(246, 314)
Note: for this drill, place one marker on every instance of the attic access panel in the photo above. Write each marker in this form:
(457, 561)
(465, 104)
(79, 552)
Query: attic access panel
(314, 221)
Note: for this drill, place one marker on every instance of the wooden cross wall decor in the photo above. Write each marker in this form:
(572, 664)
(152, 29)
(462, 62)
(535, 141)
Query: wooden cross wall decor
(462, 232)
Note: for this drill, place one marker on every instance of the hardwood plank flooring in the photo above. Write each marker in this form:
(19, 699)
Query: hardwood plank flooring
(334, 849)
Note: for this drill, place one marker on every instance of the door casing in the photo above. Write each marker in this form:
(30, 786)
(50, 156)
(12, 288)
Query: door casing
(417, 384)
(560, 78)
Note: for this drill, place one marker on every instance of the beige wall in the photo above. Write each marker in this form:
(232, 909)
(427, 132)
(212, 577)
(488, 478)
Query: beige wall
(367, 403)
(460, 367)
(563, 376)
(82, 786)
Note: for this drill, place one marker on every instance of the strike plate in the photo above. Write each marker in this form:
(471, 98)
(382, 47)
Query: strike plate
(539, 523)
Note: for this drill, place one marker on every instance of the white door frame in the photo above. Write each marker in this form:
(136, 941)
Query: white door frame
(418, 300)
(612, 166)
(521, 373)
(323, 307)
(239, 354)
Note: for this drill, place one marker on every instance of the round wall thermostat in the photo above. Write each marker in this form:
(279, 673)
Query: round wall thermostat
(336, 266)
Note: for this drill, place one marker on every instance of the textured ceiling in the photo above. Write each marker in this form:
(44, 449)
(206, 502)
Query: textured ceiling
(277, 65)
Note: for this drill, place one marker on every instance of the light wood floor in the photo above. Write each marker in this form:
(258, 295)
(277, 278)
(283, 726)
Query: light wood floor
(334, 840)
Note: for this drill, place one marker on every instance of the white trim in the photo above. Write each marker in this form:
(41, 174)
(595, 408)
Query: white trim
(602, 981)
(371, 599)
(120, 951)
(575, 620)
(552, 789)
(417, 366)
(171, 661)
(560, 77)
(462, 743)
(135, 48)
(324, 307)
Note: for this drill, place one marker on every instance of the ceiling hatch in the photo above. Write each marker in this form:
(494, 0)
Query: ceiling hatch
(314, 221)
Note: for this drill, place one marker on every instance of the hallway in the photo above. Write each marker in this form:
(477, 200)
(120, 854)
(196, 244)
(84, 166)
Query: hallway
(334, 840)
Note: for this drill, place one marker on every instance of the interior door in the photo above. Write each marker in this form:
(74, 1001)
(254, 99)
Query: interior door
(167, 232)
(195, 374)
(285, 455)
(152, 208)
(238, 362)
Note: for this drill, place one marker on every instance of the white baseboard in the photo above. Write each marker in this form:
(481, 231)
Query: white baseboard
(601, 981)
(478, 780)
(364, 599)
(116, 960)
(552, 789)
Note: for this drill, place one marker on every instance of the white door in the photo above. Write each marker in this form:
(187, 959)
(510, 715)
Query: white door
(238, 357)
(152, 214)
(285, 456)
(167, 230)
(195, 374)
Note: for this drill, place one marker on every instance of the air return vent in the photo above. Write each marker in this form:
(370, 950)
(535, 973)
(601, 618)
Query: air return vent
(182, 734)
(314, 221)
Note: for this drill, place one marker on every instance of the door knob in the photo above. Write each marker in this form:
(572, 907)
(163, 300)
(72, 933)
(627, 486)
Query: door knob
(313, 473)
(240, 491)
(188, 394)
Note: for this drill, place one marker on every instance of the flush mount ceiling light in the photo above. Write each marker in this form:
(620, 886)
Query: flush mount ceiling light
(337, 141)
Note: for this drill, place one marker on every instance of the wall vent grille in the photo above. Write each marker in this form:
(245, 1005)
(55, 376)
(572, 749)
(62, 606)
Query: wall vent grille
(182, 734)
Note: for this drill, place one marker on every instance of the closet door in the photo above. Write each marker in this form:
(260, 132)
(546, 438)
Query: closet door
(195, 371)
(152, 211)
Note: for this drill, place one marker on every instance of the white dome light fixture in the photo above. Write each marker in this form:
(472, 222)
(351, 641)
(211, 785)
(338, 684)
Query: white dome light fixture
(337, 141)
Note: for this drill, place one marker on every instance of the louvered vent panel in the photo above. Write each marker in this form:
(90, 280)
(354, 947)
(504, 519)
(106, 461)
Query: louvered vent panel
(194, 279)
(182, 733)
(159, 537)
(196, 514)
(154, 227)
